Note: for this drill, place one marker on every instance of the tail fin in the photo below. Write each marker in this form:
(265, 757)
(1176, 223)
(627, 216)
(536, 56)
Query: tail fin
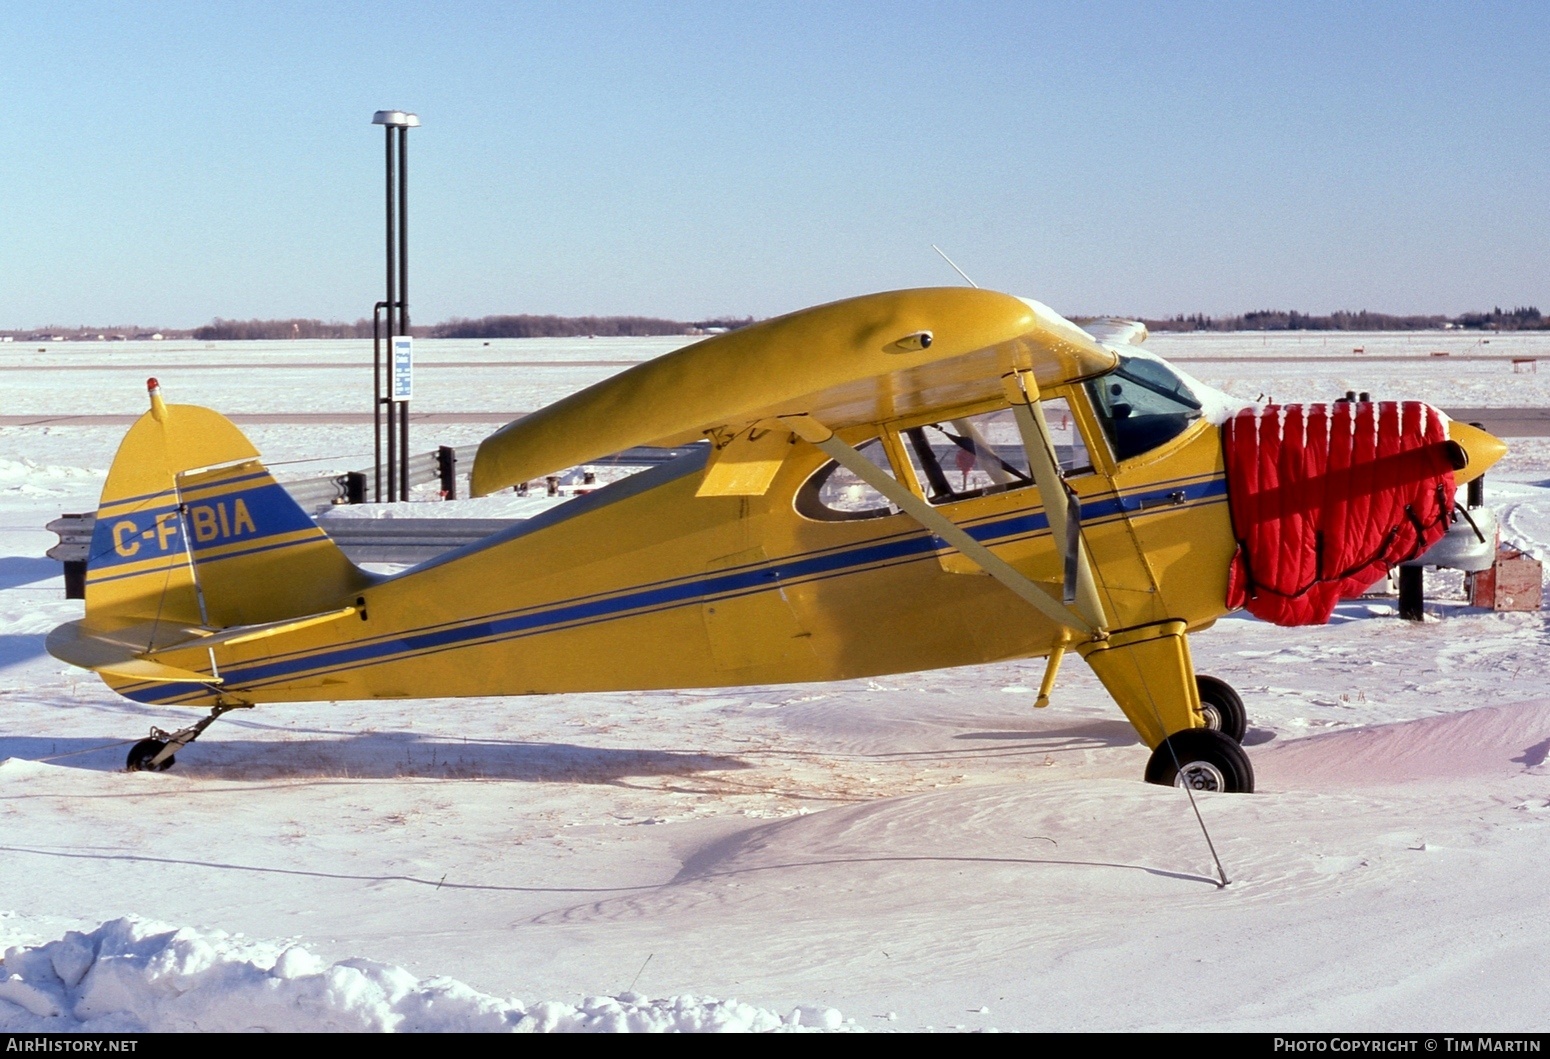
(193, 530)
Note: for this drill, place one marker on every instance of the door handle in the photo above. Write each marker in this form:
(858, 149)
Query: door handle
(1173, 499)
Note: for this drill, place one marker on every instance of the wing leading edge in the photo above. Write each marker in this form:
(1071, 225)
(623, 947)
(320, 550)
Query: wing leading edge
(862, 360)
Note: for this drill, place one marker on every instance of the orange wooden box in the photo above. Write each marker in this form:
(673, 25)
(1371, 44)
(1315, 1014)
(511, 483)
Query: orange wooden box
(1514, 582)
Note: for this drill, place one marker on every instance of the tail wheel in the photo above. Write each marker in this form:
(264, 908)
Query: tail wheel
(1222, 707)
(1202, 759)
(141, 753)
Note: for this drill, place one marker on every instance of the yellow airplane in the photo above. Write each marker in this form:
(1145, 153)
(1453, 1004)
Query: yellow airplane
(902, 481)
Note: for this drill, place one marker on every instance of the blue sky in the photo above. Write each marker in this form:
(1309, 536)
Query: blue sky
(167, 163)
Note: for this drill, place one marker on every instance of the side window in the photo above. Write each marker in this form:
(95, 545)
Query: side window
(833, 494)
(969, 456)
(1070, 448)
(1142, 405)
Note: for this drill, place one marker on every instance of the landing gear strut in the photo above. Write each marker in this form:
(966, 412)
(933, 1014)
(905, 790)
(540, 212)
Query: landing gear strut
(156, 753)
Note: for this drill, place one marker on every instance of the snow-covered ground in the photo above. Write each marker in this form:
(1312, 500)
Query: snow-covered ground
(921, 850)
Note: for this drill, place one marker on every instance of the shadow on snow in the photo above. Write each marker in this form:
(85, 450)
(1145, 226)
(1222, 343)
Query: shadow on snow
(16, 648)
(18, 570)
(384, 755)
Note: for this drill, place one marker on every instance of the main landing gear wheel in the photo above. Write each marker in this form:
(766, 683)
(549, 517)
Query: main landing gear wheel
(141, 753)
(1201, 759)
(1222, 707)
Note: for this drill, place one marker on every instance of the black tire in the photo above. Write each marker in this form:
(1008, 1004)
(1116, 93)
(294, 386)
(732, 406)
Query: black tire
(141, 753)
(1204, 759)
(1222, 707)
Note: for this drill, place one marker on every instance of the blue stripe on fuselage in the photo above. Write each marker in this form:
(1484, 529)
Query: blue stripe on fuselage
(668, 595)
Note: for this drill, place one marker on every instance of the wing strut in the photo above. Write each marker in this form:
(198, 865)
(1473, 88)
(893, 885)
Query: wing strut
(809, 429)
(1065, 519)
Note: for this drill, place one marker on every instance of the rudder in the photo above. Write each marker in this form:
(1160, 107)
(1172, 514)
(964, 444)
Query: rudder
(193, 530)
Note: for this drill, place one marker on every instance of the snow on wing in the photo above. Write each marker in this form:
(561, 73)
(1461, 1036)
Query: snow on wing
(1326, 498)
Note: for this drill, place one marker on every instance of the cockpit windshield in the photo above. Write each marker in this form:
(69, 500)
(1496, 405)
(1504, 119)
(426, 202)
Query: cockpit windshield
(1142, 404)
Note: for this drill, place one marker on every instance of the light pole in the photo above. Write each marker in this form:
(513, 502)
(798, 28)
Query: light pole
(394, 404)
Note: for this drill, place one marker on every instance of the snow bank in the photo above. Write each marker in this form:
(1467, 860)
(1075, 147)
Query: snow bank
(30, 478)
(131, 975)
(1487, 741)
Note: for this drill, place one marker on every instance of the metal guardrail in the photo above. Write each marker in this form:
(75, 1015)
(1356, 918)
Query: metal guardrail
(352, 487)
(408, 540)
(73, 549)
(442, 465)
(364, 540)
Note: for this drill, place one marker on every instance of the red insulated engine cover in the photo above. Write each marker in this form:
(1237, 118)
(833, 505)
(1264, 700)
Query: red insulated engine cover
(1326, 498)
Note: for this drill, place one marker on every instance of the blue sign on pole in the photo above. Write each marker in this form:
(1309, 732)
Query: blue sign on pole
(403, 368)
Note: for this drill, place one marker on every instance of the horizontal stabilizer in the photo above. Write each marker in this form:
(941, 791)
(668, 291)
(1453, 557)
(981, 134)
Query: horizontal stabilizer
(145, 669)
(248, 633)
(92, 648)
(121, 653)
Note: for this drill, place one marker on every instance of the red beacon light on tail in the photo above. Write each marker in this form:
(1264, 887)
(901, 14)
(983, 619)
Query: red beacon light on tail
(158, 408)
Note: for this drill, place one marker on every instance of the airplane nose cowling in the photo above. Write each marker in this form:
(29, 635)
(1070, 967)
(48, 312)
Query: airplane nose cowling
(1326, 497)
(1481, 450)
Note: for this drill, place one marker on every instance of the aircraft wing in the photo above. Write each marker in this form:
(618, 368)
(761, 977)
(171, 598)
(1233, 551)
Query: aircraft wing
(862, 360)
(1112, 331)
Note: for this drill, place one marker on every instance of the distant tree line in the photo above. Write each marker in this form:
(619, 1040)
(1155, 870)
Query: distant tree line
(528, 326)
(219, 330)
(524, 326)
(1522, 318)
(1525, 318)
(115, 333)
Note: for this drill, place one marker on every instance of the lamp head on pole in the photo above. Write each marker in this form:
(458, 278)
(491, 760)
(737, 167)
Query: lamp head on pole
(396, 118)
